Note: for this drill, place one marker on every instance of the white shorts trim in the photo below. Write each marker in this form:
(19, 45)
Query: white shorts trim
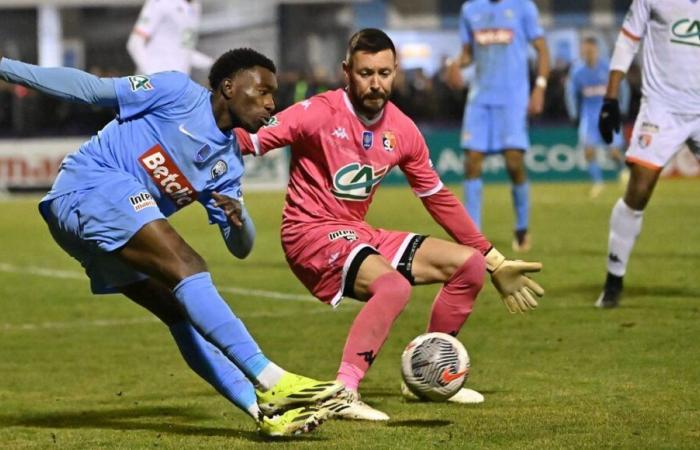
(399, 253)
(346, 266)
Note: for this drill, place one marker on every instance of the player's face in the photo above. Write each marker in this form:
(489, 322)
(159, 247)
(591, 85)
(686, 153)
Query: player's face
(251, 97)
(369, 77)
(589, 52)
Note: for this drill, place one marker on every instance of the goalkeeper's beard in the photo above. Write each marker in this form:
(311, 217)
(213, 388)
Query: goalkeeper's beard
(373, 104)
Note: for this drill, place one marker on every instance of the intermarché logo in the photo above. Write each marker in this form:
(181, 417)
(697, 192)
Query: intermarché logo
(686, 31)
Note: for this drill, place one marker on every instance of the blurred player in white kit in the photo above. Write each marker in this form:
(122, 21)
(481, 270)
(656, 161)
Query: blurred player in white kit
(165, 35)
(669, 117)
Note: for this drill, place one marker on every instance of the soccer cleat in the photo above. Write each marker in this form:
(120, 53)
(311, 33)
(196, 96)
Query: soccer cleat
(295, 390)
(293, 422)
(347, 405)
(612, 291)
(521, 241)
(463, 396)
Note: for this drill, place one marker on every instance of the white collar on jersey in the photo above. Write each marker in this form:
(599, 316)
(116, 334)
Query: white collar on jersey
(365, 121)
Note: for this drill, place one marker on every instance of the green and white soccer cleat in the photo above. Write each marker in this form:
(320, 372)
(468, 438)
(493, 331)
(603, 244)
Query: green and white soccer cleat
(295, 390)
(293, 422)
(464, 396)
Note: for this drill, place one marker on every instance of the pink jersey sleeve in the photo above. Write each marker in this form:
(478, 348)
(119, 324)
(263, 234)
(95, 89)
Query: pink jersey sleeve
(417, 167)
(442, 205)
(285, 127)
(446, 210)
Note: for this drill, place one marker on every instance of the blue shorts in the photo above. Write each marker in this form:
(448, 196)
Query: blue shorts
(91, 224)
(589, 135)
(493, 128)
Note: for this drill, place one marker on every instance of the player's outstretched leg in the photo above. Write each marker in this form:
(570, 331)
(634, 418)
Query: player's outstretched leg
(214, 367)
(389, 295)
(158, 250)
(462, 270)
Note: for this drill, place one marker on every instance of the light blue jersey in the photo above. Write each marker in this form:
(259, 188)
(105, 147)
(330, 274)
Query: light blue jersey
(585, 90)
(499, 33)
(166, 137)
(162, 152)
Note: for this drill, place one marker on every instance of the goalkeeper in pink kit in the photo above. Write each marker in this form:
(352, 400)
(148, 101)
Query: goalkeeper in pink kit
(343, 143)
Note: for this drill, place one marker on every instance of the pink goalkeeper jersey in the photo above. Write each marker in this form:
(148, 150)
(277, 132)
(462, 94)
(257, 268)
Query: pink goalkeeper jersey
(339, 159)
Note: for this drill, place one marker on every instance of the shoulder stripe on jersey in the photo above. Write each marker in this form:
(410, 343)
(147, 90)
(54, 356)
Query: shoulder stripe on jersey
(630, 35)
(256, 144)
(141, 33)
(429, 192)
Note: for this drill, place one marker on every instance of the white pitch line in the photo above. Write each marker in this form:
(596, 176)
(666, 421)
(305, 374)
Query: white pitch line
(72, 275)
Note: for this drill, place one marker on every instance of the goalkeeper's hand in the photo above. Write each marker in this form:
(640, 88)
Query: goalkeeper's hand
(517, 290)
(609, 119)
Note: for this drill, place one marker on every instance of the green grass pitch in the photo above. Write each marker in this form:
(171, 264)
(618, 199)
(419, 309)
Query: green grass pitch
(85, 372)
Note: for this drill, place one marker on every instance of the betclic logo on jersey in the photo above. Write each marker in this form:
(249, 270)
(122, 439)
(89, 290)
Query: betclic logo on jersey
(686, 32)
(493, 36)
(168, 176)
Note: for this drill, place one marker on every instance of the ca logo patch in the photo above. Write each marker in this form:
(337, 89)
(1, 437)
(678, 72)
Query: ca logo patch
(355, 181)
(140, 83)
(272, 122)
(687, 32)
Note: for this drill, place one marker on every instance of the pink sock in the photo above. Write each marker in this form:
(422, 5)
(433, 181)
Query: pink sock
(390, 294)
(454, 302)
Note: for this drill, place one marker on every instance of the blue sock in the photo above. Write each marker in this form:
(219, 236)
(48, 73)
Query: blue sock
(213, 318)
(595, 172)
(472, 199)
(521, 205)
(216, 369)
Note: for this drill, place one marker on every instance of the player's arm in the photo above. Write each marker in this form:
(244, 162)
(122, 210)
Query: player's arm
(626, 47)
(285, 128)
(571, 96)
(455, 65)
(61, 82)
(536, 104)
(517, 291)
(238, 230)
(147, 23)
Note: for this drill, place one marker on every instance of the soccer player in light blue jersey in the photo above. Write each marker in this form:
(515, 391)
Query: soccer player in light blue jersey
(585, 89)
(171, 145)
(496, 36)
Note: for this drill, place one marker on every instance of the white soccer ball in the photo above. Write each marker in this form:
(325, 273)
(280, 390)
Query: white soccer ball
(435, 366)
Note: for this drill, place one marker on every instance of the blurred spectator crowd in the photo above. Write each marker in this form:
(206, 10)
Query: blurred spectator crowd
(426, 99)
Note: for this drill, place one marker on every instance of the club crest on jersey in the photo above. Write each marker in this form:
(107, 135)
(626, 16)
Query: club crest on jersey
(367, 139)
(219, 169)
(142, 200)
(272, 122)
(349, 235)
(140, 83)
(388, 141)
(644, 140)
(356, 181)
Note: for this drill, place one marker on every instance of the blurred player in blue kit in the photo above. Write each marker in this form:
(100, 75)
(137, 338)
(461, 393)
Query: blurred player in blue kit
(171, 145)
(585, 89)
(496, 36)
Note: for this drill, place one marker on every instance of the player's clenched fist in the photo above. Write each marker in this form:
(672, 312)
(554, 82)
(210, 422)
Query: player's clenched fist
(517, 290)
(232, 208)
